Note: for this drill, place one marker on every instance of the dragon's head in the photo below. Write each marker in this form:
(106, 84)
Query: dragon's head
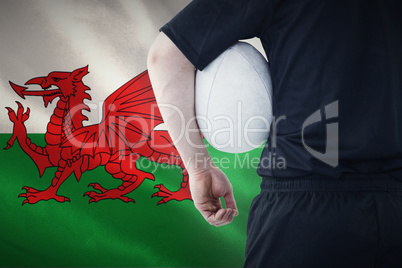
(66, 85)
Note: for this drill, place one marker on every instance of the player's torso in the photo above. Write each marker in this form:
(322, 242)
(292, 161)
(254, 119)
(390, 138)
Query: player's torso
(345, 55)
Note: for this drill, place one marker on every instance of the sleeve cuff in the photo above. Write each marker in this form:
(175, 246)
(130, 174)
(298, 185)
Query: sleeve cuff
(190, 54)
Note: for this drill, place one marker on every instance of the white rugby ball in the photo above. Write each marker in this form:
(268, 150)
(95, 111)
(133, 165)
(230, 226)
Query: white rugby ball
(233, 99)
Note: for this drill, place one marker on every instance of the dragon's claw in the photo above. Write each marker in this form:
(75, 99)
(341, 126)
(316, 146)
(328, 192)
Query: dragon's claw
(18, 118)
(7, 147)
(33, 196)
(19, 104)
(30, 189)
(25, 116)
(127, 199)
(161, 202)
(167, 195)
(11, 115)
(162, 188)
(106, 194)
(98, 187)
(20, 111)
(161, 194)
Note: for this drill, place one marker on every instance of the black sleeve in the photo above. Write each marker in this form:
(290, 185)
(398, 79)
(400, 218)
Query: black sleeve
(206, 28)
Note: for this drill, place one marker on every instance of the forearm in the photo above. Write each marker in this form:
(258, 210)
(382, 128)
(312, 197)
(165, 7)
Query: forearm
(173, 79)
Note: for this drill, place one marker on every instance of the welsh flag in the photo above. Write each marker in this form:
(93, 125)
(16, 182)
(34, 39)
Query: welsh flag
(89, 176)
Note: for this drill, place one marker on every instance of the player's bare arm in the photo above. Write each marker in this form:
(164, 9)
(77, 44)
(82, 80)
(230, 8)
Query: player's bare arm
(173, 77)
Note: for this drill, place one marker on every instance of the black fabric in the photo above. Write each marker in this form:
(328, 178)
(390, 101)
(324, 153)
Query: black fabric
(325, 223)
(320, 52)
(206, 28)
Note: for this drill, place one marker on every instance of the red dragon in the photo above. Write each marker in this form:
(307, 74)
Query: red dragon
(125, 133)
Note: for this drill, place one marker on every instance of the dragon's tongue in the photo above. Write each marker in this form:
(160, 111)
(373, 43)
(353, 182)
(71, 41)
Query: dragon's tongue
(18, 89)
(48, 95)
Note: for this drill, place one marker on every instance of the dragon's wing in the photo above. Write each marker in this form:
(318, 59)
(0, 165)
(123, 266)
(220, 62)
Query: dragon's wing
(129, 115)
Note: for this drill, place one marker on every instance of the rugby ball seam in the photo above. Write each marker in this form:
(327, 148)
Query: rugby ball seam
(258, 73)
